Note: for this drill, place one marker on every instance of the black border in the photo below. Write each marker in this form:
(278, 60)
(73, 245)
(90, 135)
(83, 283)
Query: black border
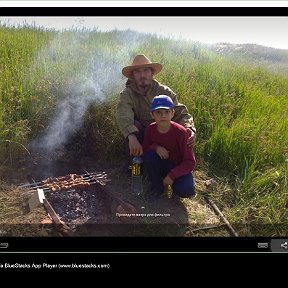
(136, 244)
(143, 11)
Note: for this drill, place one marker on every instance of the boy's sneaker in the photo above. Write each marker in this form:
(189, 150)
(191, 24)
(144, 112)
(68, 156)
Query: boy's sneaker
(175, 198)
(152, 196)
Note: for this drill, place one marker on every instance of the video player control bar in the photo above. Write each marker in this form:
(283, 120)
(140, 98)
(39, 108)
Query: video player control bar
(4, 245)
(279, 245)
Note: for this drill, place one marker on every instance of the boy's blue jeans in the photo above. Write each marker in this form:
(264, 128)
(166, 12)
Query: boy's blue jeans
(158, 168)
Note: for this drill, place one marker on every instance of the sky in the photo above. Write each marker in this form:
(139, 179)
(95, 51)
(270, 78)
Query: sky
(267, 31)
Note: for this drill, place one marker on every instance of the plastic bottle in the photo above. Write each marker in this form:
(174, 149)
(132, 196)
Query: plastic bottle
(137, 185)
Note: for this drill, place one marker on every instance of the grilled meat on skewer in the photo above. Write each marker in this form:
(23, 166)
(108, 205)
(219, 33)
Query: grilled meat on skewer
(64, 183)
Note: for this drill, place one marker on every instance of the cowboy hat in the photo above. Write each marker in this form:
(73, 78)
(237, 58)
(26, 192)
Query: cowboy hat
(141, 61)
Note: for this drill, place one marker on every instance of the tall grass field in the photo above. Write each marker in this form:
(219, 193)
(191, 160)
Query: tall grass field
(239, 108)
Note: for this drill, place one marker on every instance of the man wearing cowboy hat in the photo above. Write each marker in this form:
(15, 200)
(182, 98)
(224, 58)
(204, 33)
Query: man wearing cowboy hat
(133, 110)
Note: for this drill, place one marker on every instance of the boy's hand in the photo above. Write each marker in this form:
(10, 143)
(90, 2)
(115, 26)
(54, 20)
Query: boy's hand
(162, 152)
(167, 181)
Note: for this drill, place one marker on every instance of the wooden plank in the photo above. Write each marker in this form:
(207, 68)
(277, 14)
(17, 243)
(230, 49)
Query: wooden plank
(51, 212)
(62, 227)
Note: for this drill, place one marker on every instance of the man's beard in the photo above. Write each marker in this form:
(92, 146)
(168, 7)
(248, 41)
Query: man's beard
(143, 82)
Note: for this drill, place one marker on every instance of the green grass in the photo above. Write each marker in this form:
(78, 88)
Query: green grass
(240, 109)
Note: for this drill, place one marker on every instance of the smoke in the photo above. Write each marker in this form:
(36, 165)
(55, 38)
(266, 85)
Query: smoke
(71, 110)
(99, 77)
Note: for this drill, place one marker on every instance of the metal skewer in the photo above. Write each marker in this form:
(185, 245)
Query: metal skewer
(99, 175)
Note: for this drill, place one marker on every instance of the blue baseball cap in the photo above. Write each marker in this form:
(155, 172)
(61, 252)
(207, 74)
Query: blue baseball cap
(161, 102)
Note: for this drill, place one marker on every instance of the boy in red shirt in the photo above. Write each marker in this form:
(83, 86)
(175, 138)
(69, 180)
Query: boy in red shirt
(168, 159)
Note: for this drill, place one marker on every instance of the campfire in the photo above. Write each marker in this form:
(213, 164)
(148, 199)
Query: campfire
(76, 199)
(72, 200)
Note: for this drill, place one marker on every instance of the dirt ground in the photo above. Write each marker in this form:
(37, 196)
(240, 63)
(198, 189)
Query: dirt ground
(111, 210)
(169, 216)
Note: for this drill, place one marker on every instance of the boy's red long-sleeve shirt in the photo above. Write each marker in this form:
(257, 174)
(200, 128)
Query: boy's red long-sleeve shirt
(175, 141)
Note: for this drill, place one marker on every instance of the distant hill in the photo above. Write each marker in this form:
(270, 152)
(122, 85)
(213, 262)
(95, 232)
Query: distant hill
(273, 59)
